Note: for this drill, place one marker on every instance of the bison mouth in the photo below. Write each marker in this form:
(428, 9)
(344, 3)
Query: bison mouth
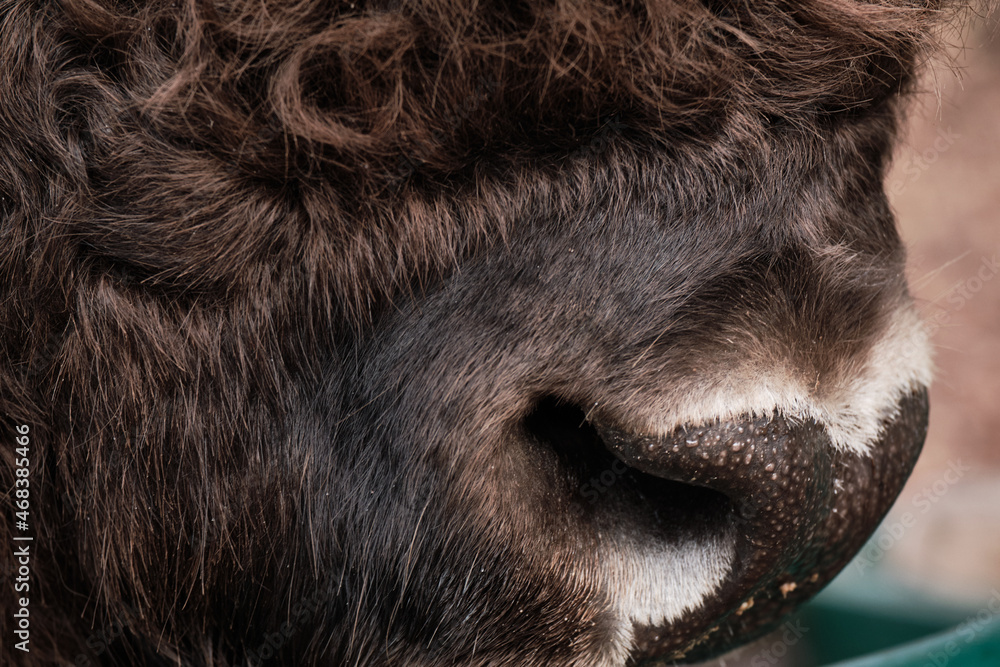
(759, 514)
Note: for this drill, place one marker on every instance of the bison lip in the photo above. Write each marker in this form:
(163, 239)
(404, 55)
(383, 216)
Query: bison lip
(802, 510)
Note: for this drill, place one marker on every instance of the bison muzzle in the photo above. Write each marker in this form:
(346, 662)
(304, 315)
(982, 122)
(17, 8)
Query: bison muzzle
(443, 333)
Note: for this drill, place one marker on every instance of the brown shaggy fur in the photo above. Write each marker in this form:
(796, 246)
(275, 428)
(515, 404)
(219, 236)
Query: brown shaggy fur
(211, 212)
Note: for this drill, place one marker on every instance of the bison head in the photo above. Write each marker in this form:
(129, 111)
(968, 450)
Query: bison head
(433, 333)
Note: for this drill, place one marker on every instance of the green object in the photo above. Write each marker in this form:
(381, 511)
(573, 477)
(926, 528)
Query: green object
(975, 643)
(867, 618)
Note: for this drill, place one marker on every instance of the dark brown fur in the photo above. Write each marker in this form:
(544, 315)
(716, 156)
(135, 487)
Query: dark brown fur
(235, 237)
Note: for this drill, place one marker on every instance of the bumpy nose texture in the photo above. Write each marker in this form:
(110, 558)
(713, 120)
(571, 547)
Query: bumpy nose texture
(802, 510)
(776, 474)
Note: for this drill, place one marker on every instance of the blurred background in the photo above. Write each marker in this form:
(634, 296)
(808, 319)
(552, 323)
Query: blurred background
(945, 188)
(935, 561)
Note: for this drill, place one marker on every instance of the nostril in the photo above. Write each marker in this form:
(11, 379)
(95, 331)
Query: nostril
(716, 530)
(776, 473)
(768, 478)
(601, 484)
(563, 429)
(762, 486)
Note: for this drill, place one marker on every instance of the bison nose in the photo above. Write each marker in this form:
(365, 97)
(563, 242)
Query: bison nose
(776, 474)
(792, 505)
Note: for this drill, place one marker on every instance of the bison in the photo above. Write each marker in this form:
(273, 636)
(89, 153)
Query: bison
(432, 332)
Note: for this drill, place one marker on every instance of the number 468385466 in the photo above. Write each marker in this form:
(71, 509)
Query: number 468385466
(21, 473)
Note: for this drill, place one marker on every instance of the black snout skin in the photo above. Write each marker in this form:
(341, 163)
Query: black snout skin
(802, 509)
